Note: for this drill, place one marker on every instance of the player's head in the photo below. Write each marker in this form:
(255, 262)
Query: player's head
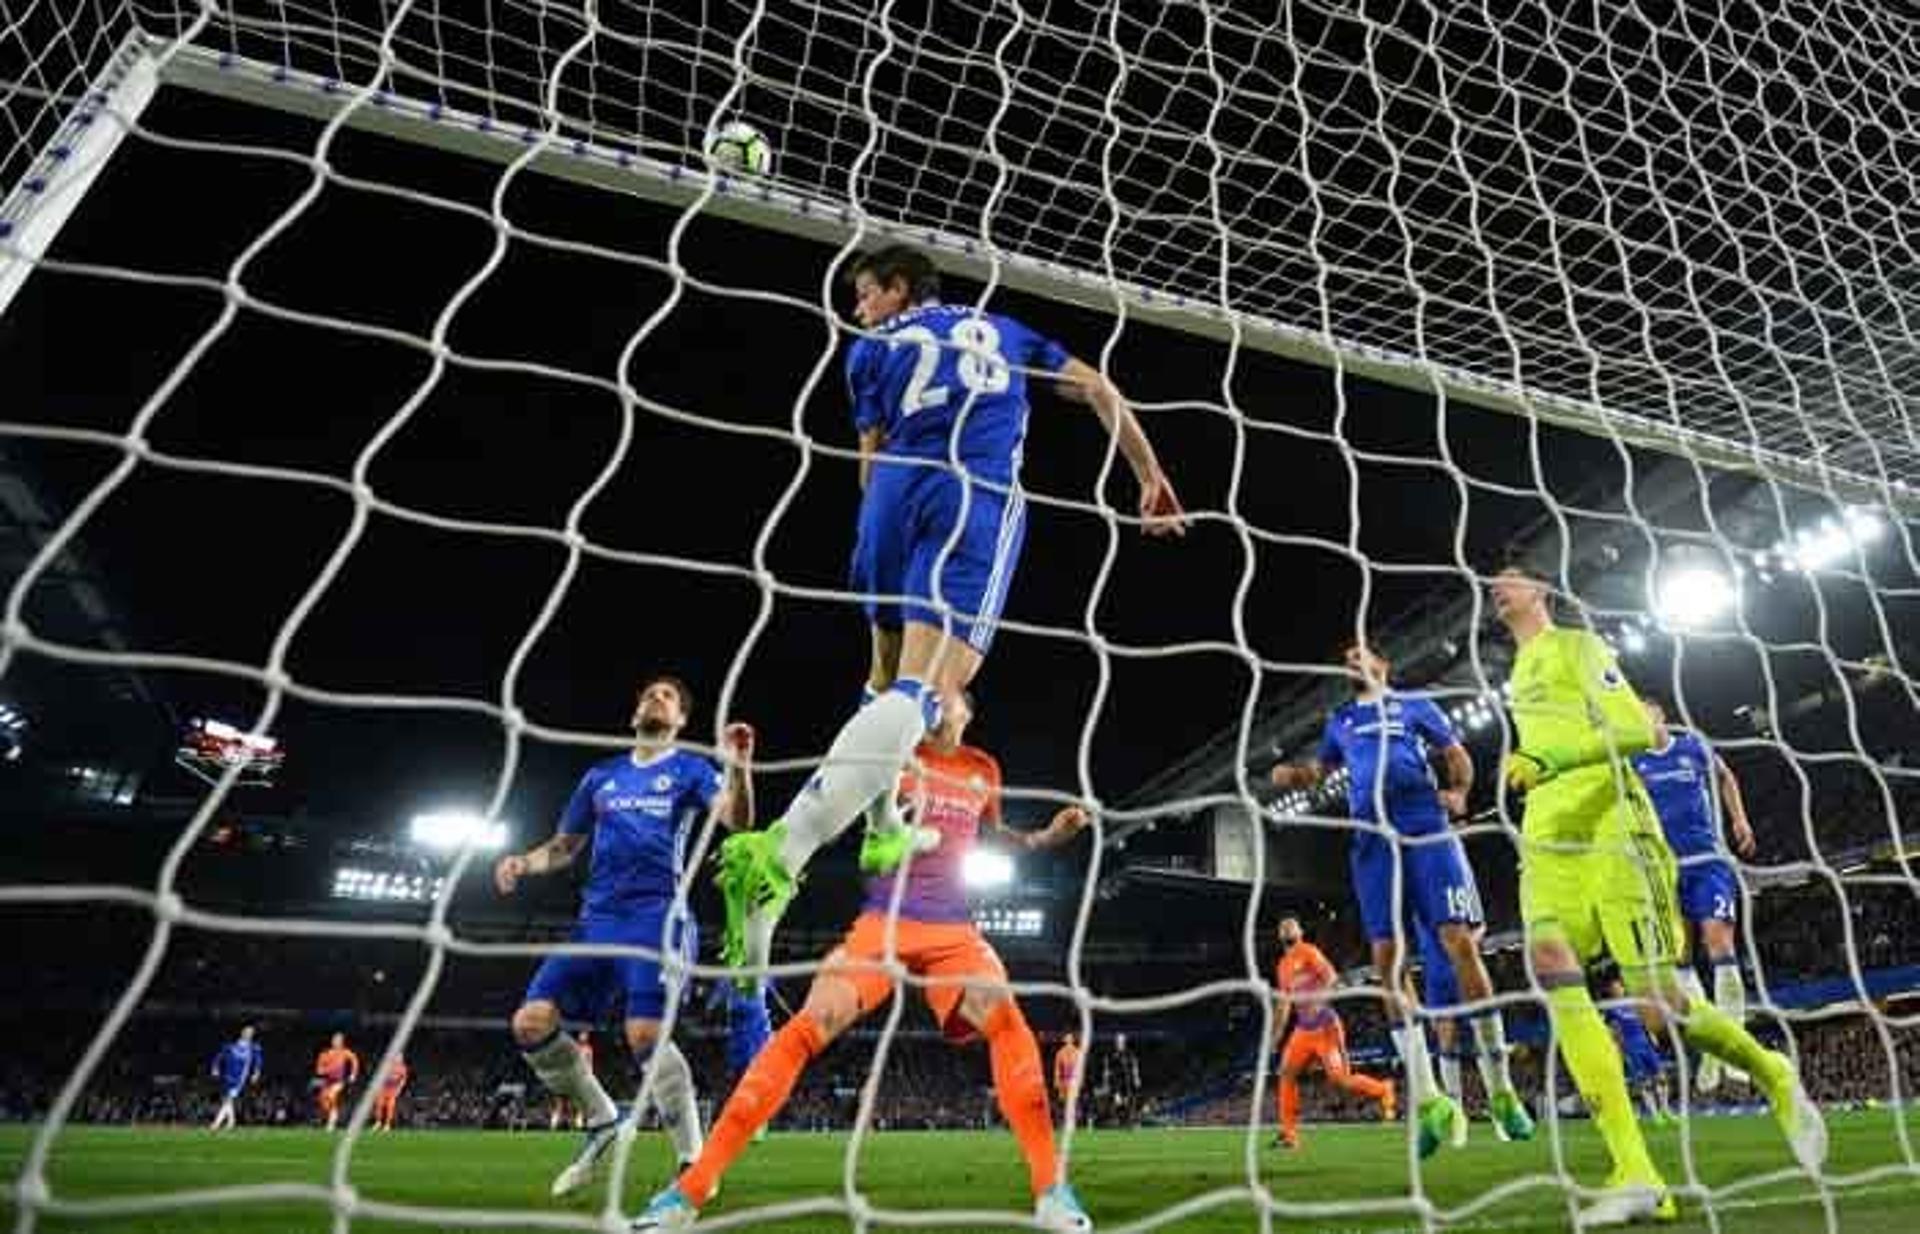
(1071, 1040)
(1369, 667)
(585, 1036)
(1655, 712)
(890, 280)
(1613, 987)
(338, 1041)
(661, 708)
(246, 1032)
(1519, 593)
(956, 713)
(1290, 931)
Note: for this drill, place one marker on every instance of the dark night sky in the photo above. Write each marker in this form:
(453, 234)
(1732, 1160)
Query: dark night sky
(210, 565)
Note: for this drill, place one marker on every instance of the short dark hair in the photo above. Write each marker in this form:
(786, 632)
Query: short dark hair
(679, 687)
(900, 262)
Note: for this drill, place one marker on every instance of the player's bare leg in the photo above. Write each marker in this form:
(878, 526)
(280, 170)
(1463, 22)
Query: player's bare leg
(1462, 945)
(759, 869)
(1439, 1117)
(556, 1059)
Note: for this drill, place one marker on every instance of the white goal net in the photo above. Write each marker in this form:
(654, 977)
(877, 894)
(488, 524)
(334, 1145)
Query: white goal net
(1627, 290)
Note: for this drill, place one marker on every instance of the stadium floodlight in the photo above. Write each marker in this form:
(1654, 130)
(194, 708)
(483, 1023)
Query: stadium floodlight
(985, 868)
(1831, 541)
(1688, 596)
(443, 831)
(1633, 640)
(358, 883)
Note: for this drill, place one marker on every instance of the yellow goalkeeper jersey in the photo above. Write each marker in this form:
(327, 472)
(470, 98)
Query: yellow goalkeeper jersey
(1576, 713)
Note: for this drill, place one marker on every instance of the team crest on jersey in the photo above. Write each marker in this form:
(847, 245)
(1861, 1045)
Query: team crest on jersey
(1611, 677)
(977, 783)
(662, 782)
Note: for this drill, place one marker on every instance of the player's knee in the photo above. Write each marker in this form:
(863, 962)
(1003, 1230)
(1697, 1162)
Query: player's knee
(534, 1023)
(833, 1005)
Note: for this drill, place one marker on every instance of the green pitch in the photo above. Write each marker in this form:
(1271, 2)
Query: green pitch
(1125, 1177)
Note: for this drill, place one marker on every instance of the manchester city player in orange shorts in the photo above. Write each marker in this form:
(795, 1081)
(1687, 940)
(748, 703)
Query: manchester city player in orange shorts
(1304, 977)
(957, 790)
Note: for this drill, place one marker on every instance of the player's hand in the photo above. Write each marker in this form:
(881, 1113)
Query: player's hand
(1743, 841)
(1160, 511)
(1069, 821)
(507, 873)
(738, 738)
(1524, 772)
(1455, 802)
(1287, 775)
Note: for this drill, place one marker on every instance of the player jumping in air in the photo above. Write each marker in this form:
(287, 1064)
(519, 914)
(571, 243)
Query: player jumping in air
(940, 402)
(640, 809)
(560, 1111)
(334, 1070)
(1304, 977)
(387, 1104)
(237, 1067)
(1595, 871)
(1682, 774)
(1386, 741)
(1645, 1069)
(1066, 1070)
(957, 788)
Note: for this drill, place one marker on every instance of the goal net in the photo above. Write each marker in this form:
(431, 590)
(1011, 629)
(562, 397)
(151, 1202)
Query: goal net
(1402, 291)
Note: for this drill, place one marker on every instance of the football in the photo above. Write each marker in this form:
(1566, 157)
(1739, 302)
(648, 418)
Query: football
(741, 149)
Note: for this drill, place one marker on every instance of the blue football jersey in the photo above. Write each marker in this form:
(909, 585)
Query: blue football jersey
(640, 816)
(1678, 779)
(938, 369)
(1414, 728)
(237, 1062)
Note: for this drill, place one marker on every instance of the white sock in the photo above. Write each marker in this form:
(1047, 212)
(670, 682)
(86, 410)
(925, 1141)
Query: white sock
(674, 1097)
(1490, 1048)
(863, 763)
(563, 1069)
(1412, 1044)
(1730, 990)
(1450, 1074)
(1690, 983)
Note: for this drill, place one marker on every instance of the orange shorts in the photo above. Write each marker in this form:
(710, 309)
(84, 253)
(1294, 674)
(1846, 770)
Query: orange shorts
(1326, 1045)
(952, 954)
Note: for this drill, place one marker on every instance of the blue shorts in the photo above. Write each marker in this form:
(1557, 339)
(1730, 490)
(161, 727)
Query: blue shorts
(1436, 884)
(1641, 1065)
(231, 1092)
(902, 560)
(1709, 891)
(585, 987)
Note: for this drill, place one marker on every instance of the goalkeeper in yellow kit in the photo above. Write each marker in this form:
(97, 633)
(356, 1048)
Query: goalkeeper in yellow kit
(1595, 872)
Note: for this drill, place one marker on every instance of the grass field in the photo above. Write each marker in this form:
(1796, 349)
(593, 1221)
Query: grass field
(1126, 1177)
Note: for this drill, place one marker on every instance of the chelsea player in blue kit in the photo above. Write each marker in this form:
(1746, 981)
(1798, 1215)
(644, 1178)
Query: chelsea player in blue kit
(1385, 740)
(940, 403)
(1682, 773)
(1640, 1058)
(236, 1066)
(639, 810)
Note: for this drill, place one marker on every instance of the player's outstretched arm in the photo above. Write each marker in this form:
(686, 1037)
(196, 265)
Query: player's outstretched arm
(1734, 803)
(1160, 510)
(1304, 774)
(734, 805)
(1067, 822)
(556, 853)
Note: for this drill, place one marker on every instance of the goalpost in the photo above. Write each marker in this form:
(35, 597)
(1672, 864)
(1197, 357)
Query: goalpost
(1676, 226)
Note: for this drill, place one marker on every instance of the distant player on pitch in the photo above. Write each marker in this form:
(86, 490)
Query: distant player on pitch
(1596, 872)
(1067, 1067)
(639, 809)
(237, 1067)
(1640, 1057)
(334, 1071)
(957, 789)
(1304, 978)
(932, 385)
(1387, 740)
(387, 1104)
(1682, 774)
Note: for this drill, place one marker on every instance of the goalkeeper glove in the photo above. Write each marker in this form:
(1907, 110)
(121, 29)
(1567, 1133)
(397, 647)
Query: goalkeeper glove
(1526, 772)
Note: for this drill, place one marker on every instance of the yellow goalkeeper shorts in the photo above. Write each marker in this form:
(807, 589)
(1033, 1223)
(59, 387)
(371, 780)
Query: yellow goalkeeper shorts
(1619, 893)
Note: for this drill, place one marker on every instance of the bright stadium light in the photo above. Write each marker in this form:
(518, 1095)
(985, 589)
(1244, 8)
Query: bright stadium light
(357, 883)
(446, 830)
(1687, 597)
(986, 868)
(1831, 541)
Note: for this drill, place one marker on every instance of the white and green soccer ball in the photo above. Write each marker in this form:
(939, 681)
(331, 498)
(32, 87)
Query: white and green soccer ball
(740, 149)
